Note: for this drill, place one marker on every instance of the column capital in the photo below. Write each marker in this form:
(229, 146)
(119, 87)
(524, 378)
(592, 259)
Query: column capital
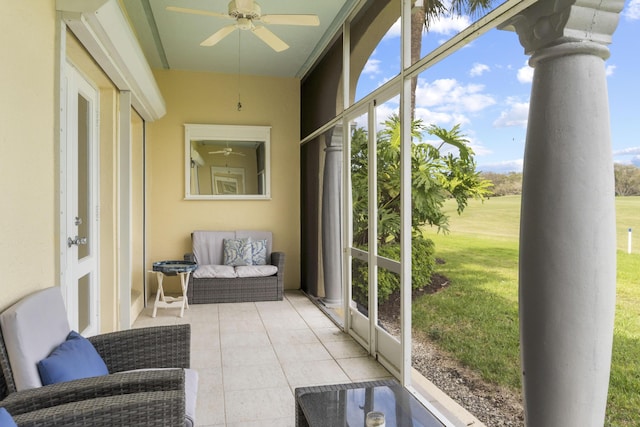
(552, 22)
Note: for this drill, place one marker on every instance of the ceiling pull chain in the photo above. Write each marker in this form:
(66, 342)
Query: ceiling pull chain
(239, 102)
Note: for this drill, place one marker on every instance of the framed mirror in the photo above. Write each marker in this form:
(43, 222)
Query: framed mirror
(227, 162)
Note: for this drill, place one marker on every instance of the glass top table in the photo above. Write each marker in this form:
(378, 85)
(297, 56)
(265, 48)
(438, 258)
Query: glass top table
(348, 405)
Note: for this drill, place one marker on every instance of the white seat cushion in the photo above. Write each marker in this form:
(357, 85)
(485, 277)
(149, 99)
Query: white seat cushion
(215, 271)
(32, 328)
(191, 396)
(256, 270)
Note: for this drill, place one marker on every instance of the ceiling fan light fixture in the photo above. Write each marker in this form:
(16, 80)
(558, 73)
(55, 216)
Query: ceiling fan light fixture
(244, 9)
(244, 23)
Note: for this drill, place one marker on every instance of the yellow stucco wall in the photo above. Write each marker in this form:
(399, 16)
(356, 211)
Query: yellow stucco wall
(27, 149)
(208, 98)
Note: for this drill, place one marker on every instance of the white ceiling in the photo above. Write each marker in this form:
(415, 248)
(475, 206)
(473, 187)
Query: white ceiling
(171, 40)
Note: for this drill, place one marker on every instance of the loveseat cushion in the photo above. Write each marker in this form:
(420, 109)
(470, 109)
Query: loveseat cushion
(74, 359)
(215, 271)
(32, 328)
(207, 246)
(256, 270)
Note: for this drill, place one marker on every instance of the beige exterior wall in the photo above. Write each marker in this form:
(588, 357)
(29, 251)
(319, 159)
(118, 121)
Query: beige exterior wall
(28, 149)
(211, 99)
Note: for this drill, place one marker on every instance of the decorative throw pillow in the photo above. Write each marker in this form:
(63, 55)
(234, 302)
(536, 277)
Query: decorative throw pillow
(5, 419)
(259, 250)
(237, 252)
(73, 359)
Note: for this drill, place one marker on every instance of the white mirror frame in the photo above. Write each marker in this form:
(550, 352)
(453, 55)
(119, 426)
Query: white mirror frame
(227, 133)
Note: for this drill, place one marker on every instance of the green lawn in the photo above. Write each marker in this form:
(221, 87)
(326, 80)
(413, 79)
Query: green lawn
(476, 317)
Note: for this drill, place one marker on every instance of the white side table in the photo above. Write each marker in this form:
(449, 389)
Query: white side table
(172, 268)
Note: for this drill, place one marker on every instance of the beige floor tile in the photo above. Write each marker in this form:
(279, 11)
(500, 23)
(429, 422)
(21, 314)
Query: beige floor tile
(209, 379)
(273, 306)
(301, 374)
(236, 307)
(206, 359)
(287, 320)
(301, 352)
(292, 336)
(244, 339)
(241, 325)
(345, 349)
(243, 406)
(248, 356)
(319, 321)
(363, 368)
(210, 408)
(280, 422)
(331, 334)
(253, 377)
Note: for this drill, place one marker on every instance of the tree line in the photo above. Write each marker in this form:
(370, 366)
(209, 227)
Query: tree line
(627, 181)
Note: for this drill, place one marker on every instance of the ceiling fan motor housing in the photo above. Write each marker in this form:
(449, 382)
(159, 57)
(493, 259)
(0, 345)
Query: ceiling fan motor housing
(246, 11)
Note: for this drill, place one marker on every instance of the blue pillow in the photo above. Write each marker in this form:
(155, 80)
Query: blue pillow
(5, 419)
(259, 252)
(237, 252)
(73, 359)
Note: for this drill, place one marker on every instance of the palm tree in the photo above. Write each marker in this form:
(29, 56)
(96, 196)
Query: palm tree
(423, 12)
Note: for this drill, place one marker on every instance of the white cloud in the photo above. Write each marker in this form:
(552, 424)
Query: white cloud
(610, 69)
(448, 101)
(478, 69)
(632, 11)
(627, 151)
(525, 74)
(372, 67)
(395, 30)
(448, 25)
(503, 167)
(517, 114)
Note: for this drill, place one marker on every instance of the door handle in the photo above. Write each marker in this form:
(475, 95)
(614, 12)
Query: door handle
(76, 241)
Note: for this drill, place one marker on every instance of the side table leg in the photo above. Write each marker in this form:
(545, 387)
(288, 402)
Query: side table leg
(184, 282)
(159, 293)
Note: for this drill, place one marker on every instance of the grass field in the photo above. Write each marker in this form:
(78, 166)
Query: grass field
(476, 317)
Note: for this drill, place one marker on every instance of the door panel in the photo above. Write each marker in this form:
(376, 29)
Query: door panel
(359, 244)
(79, 195)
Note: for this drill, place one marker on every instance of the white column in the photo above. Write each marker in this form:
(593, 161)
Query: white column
(567, 231)
(331, 241)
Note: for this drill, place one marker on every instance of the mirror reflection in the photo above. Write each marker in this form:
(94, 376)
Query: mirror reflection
(226, 162)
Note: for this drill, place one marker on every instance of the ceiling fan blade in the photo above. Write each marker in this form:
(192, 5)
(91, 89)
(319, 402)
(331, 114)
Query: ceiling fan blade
(269, 38)
(306, 20)
(196, 12)
(219, 35)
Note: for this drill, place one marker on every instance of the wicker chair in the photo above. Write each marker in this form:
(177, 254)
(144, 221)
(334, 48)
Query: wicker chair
(132, 399)
(122, 352)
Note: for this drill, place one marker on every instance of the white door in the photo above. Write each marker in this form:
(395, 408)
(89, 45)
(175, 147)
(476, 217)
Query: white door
(79, 203)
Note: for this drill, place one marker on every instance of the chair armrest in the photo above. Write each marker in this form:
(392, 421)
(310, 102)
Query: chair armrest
(160, 408)
(145, 348)
(34, 399)
(277, 259)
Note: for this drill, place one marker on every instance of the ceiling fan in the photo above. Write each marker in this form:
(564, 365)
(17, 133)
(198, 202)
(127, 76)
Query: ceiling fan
(246, 12)
(227, 151)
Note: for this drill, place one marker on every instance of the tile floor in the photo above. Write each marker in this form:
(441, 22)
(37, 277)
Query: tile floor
(251, 356)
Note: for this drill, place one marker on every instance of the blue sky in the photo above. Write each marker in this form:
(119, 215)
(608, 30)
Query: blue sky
(486, 87)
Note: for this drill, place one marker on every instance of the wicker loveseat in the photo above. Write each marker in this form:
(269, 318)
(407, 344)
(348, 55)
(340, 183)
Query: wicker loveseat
(215, 282)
